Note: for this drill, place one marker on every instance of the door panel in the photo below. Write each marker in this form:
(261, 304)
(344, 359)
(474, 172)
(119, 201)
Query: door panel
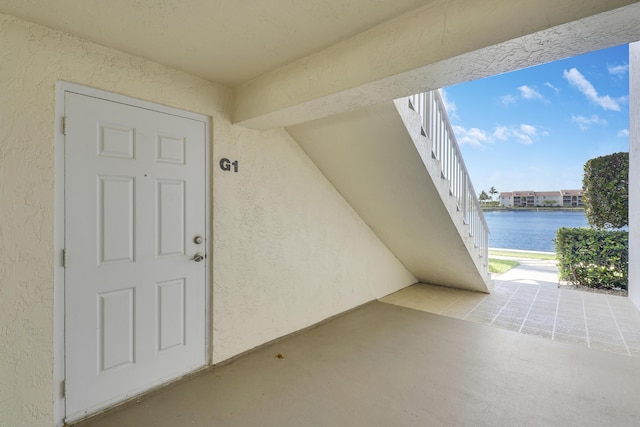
(170, 212)
(171, 312)
(115, 218)
(134, 297)
(116, 319)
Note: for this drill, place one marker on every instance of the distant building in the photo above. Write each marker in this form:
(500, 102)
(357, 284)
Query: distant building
(531, 199)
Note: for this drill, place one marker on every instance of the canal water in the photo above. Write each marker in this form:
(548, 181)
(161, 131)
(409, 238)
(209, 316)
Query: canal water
(530, 230)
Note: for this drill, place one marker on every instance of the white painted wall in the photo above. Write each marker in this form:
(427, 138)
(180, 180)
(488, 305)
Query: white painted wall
(506, 201)
(288, 250)
(634, 173)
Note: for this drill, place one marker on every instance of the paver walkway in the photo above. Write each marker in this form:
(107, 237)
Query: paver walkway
(527, 300)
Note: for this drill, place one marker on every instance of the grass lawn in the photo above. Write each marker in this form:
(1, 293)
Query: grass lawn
(523, 254)
(501, 265)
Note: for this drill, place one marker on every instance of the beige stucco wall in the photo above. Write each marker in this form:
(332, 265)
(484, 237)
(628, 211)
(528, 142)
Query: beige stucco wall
(288, 250)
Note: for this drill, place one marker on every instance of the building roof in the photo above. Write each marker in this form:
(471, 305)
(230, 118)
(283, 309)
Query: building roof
(541, 193)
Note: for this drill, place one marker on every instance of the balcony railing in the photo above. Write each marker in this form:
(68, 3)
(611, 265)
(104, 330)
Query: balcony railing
(444, 148)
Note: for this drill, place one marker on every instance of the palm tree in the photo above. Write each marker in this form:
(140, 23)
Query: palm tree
(493, 192)
(483, 197)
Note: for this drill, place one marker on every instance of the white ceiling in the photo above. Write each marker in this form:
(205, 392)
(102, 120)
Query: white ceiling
(224, 41)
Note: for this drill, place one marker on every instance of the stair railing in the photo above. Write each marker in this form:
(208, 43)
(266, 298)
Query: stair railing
(444, 148)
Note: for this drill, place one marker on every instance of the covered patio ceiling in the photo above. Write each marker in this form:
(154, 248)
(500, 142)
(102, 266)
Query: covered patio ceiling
(223, 41)
(292, 62)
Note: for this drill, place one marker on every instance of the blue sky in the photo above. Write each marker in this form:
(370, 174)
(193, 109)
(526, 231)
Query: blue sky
(534, 129)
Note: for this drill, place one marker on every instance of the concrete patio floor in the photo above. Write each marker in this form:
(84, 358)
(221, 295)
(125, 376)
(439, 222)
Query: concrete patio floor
(527, 300)
(387, 365)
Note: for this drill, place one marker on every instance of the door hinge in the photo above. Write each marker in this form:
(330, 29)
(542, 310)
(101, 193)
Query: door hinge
(64, 258)
(64, 125)
(63, 389)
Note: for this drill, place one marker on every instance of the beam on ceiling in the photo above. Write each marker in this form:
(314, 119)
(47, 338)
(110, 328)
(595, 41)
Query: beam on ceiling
(446, 43)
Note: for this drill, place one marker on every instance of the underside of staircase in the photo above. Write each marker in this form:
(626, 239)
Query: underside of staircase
(409, 190)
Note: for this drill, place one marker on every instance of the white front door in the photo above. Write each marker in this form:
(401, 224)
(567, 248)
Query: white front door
(135, 297)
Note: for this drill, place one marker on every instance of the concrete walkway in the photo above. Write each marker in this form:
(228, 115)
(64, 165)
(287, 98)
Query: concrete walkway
(527, 300)
(530, 271)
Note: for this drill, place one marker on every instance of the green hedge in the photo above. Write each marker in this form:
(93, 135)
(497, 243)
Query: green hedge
(606, 191)
(593, 258)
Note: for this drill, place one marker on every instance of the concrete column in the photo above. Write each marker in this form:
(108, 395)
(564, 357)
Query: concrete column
(634, 173)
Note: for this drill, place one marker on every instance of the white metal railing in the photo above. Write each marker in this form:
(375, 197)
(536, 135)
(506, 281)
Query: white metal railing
(444, 148)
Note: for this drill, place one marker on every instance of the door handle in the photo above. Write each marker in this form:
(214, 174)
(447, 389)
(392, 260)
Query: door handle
(198, 257)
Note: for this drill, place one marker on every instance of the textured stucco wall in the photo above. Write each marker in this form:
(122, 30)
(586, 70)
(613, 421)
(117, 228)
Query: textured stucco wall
(32, 58)
(288, 250)
(634, 173)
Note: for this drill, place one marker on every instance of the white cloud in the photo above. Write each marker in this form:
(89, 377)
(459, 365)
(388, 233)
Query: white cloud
(529, 93)
(525, 92)
(576, 79)
(555, 89)
(473, 136)
(522, 137)
(507, 100)
(585, 123)
(623, 132)
(523, 134)
(449, 105)
(528, 129)
(618, 70)
(501, 133)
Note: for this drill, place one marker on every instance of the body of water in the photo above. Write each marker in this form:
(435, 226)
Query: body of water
(530, 230)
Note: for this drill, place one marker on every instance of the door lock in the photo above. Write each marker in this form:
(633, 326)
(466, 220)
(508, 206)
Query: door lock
(198, 240)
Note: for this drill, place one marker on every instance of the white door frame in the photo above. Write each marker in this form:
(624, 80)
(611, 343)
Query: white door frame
(59, 229)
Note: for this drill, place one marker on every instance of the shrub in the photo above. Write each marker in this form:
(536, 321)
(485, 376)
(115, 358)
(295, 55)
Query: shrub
(593, 258)
(606, 191)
